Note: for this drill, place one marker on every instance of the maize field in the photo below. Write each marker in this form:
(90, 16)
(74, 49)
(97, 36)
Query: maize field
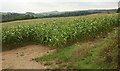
(58, 35)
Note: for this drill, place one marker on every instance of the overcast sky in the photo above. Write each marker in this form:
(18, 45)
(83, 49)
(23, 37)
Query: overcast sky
(37, 6)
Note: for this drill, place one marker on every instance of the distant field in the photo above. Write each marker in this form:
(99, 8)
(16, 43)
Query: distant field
(57, 20)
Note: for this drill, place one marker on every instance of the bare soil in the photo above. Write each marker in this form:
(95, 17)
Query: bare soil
(21, 58)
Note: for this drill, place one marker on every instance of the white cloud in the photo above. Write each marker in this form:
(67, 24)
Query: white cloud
(52, 5)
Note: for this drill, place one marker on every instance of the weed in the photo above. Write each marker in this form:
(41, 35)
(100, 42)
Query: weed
(48, 63)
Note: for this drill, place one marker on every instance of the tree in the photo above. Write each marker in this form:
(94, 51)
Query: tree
(118, 11)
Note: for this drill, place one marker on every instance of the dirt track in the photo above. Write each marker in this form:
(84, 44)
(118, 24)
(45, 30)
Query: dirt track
(21, 58)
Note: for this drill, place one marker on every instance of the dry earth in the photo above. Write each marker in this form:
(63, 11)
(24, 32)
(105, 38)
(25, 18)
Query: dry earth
(21, 58)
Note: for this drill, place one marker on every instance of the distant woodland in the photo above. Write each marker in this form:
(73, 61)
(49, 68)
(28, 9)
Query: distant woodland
(6, 17)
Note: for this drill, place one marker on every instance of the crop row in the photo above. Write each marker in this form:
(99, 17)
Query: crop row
(55, 34)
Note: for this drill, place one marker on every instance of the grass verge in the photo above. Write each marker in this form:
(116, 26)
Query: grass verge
(98, 54)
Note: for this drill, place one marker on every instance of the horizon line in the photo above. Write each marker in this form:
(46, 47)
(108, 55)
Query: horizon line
(57, 10)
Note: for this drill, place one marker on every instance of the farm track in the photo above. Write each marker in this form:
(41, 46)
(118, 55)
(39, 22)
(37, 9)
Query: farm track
(21, 58)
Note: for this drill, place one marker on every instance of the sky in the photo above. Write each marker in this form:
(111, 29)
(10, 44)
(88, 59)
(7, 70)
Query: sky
(38, 6)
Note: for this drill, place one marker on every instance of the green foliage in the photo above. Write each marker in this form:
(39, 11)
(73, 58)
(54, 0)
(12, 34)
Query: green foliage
(58, 35)
(22, 55)
(48, 63)
(74, 13)
(15, 16)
